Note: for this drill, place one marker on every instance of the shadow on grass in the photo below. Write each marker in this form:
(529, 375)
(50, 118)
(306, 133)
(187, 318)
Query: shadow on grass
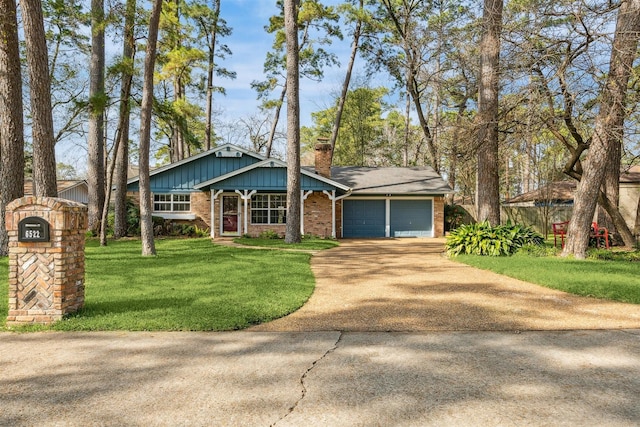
(93, 309)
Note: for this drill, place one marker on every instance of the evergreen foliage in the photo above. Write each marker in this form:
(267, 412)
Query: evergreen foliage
(483, 239)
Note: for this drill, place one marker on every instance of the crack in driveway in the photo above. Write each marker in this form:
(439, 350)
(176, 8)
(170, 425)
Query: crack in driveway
(304, 376)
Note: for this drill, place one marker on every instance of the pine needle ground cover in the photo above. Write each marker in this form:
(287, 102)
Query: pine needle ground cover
(192, 284)
(616, 279)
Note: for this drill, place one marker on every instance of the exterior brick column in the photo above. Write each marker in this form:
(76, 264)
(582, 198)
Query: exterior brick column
(46, 276)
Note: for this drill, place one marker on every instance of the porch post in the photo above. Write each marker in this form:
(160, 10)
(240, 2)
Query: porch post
(245, 195)
(305, 194)
(214, 196)
(334, 199)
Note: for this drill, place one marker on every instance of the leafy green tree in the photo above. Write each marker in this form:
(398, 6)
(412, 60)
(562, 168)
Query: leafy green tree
(361, 128)
(317, 25)
(212, 27)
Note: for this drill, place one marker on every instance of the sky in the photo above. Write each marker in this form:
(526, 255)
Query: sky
(249, 43)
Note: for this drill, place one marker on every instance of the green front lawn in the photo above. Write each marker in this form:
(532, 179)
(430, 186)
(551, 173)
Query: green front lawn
(192, 284)
(617, 278)
(307, 243)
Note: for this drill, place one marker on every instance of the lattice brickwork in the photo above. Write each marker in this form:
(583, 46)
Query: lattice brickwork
(46, 279)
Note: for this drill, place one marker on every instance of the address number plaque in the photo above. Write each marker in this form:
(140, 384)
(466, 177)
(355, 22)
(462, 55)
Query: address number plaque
(33, 229)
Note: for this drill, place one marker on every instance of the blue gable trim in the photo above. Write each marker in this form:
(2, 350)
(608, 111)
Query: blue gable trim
(269, 175)
(267, 179)
(183, 176)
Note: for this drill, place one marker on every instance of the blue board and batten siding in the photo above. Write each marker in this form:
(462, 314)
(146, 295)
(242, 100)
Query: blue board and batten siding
(184, 177)
(269, 179)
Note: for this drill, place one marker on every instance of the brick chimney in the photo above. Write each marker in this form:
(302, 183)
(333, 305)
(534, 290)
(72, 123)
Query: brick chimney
(323, 157)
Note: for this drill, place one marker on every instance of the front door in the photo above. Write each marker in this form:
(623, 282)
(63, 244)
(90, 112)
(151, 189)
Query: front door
(231, 215)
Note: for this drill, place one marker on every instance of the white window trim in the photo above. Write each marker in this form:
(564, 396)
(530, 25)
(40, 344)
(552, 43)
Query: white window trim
(168, 215)
(269, 209)
(186, 215)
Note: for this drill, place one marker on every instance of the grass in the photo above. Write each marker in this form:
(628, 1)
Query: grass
(308, 243)
(191, 284)
(617, 278)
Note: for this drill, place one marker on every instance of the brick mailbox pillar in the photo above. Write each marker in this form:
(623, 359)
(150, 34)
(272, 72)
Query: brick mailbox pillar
(46, 259)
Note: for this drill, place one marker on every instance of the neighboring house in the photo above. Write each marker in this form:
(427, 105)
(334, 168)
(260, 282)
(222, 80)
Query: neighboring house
(234, 191)
(70, 189)
(559, 195)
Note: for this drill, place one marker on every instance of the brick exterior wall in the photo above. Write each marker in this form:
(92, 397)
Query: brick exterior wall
(201, 207)
(438, 216)
(46, 279)
(323, 159)
(317, 215)
(317, 218)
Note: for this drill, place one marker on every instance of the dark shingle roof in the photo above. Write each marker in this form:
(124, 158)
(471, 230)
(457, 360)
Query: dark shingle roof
(557, 191)
(409, 181)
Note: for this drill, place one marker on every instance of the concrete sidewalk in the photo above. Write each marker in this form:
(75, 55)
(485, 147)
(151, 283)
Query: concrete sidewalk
(320, 378)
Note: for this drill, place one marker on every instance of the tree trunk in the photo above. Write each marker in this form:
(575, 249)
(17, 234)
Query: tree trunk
(44, 156)
(608, 127)
(122, 155)
(96, 148)
(407, 130)
(347, 80)
(488, 180)
(611, 190)
(210, 67)
(146, 204)
(276, 118)
(11, 120)
(293, 123)
(424, 125)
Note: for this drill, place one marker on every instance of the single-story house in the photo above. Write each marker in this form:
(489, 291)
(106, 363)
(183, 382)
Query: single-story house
(234, 191)
(559, 195)
(70, 189)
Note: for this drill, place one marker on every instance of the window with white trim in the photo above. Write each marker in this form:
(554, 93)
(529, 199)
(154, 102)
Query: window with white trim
(172, 202)
(269, 209)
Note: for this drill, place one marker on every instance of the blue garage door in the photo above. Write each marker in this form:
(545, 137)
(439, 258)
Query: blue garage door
(363, 218)
(411, 218)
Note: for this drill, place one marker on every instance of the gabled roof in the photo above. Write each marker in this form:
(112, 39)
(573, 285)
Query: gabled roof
(631, 176)
(226, 150)
(269, 163)
(62, 185)
(394, 180)
(554, 191)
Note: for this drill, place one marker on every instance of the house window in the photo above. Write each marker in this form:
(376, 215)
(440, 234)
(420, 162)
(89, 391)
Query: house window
(269, 209)
(171, 202)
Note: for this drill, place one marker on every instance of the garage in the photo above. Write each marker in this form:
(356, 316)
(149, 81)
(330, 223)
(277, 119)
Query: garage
(411, 218)
(391, 201)
(363, 218)
(373, 217)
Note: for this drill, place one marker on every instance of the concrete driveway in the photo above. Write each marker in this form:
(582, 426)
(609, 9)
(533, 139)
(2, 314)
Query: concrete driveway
(408, 285)
(330, 364)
